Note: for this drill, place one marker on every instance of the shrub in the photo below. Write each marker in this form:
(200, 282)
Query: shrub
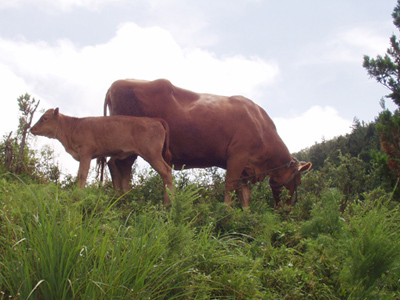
(373, 248)
(325, 215)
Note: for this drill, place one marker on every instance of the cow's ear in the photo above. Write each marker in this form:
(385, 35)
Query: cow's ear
(56, 112)
(303, 167)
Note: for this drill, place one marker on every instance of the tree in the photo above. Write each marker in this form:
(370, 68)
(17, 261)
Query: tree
(389, 128)
(16, 155)
(348, 175)
(386, 70)
(27, 108)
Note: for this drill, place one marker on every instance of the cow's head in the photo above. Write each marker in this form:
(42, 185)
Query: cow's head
(47, 124)
(289, 177)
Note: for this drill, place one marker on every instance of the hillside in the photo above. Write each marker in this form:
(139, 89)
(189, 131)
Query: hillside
(64, 243)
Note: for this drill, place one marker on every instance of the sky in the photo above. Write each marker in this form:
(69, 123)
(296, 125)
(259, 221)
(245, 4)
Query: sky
(299, 60)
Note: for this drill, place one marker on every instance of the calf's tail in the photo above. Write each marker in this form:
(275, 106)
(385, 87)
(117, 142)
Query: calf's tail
(166, 152)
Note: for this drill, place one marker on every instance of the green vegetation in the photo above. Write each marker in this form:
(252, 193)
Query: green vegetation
(385, 69)
(64, 243)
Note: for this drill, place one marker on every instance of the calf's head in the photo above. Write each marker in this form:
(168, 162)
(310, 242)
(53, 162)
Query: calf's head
(47, 124)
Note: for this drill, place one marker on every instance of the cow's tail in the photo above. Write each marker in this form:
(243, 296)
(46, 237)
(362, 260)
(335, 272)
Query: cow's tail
(101, 161)
(107, 102)
(166, 152)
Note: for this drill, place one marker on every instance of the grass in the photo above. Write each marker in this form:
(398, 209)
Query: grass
(69, 244)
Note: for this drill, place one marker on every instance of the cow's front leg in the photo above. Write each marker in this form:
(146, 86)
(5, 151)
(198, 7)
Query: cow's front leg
(233, 180)
(83, 171)
(244, 194)
(276, 192)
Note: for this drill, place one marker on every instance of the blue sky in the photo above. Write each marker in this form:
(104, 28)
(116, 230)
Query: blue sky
(300, 60)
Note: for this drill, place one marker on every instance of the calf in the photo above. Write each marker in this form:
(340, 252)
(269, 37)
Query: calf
(116, 136)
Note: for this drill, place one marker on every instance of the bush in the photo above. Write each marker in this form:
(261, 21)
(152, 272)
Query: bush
(325, 215)
(373, 249)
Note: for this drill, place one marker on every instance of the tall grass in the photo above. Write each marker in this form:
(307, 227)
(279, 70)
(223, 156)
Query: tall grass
(55, 251)
(71, 244)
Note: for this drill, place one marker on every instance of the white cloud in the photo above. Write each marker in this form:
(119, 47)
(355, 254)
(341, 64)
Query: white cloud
(228, 76)
(317, 123)
(366, 38)
(349, 45)
(77, 78)
(352, 44)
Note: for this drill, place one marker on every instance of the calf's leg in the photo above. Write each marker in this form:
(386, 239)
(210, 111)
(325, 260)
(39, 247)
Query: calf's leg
(158, 163)
(165, 172)
(83, 171)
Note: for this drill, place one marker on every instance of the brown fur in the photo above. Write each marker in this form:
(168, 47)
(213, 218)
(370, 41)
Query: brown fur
(119, 137)
(209, 130)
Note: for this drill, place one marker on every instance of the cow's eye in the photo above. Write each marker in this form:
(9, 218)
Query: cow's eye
(44, 118)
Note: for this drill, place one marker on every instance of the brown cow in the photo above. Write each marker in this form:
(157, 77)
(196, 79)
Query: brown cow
(208, 130)
(117, 136)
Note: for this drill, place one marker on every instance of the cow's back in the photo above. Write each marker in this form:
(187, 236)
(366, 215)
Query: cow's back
(147, 98)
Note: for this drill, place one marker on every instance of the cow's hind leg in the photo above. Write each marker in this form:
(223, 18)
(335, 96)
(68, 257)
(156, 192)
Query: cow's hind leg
(115, 174)
(121, 170)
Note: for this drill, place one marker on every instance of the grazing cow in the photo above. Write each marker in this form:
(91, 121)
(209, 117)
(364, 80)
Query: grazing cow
(207, 130)
(118, 136)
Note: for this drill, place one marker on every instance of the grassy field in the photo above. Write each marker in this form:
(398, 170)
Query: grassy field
(64, 243)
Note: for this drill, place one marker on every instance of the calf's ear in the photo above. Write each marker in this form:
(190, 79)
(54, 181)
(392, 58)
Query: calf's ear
(56, 112)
